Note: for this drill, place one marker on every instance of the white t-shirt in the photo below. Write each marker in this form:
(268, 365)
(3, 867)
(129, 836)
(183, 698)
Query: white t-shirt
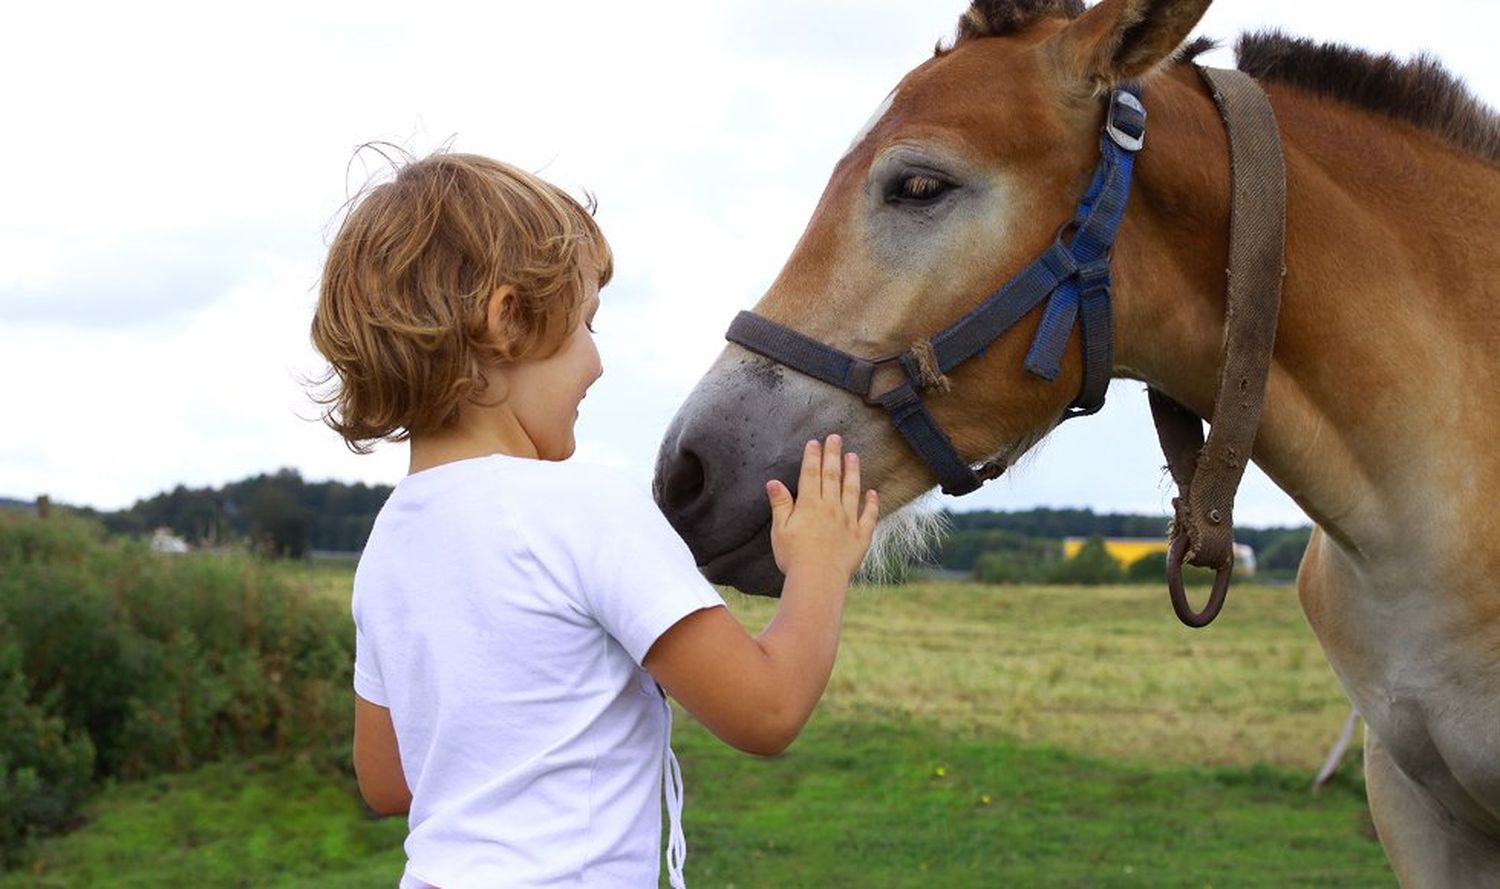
(502, 609)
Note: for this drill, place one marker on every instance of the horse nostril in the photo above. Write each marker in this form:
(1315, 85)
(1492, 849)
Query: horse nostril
(684, 481)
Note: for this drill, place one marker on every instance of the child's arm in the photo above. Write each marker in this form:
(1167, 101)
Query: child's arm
(377, 761)
(756, 693)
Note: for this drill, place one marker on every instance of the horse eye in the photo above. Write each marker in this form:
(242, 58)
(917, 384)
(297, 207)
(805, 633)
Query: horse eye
(919, 188)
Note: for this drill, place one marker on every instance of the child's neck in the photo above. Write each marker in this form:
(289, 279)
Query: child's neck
(470, 438)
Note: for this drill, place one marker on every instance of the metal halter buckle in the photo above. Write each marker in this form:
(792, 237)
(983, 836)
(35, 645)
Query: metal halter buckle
(1129, 129)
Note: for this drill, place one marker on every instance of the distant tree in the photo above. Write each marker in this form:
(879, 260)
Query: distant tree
(1090, 565)
(1058, 523)
(337, 516)
(961, 550)
(1262, 539)
(344, 514)
(1010, 566)
(1152, 568)
(1283, 555)
(280, 525)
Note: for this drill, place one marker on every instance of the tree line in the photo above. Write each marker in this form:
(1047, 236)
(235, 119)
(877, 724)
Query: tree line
(279, 514)
(1025, 546)
(282, 514)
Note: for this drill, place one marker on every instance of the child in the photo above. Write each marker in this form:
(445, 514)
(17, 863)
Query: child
(517, 616)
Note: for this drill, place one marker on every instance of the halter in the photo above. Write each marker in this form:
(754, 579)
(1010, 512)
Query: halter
(1072, 276)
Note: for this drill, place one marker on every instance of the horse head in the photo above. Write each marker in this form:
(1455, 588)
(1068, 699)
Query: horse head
(965, 174)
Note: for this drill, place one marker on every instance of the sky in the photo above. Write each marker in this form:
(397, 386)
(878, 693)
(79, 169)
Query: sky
(174, 172)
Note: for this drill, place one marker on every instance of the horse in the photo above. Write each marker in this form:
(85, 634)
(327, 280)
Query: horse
(1379, 417)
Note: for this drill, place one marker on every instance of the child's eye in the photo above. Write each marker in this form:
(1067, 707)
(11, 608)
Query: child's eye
(589, 325)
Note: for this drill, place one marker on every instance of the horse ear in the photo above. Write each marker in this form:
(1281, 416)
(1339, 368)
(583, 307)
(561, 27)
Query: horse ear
(1119, 40)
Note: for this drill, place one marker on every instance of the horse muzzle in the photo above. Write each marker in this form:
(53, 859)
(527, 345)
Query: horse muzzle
(726, 442)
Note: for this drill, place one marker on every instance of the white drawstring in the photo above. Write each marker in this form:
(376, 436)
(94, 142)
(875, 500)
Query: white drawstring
(671, 779)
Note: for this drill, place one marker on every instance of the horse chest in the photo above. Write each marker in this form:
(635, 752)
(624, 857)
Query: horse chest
(1422, 673)
(1448, 749)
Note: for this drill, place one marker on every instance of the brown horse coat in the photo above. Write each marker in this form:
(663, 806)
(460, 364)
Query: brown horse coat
(1381, 417)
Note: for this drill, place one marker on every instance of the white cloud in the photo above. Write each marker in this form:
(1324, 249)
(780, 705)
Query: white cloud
(173, 169)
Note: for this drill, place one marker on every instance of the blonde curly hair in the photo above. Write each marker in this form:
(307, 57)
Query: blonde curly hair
(401, 314)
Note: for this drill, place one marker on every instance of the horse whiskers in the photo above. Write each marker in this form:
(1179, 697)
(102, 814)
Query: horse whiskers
(909, 535)
(903, 538)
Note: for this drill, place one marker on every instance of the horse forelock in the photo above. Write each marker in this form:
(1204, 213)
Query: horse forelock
(1420, 91)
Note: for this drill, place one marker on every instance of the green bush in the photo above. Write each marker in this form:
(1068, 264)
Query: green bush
(1004, 557)
(1152, 568)
(148, 662)
(1091, 565)
(961, 550)
(44, 768)
(1010, 566)
(1284, 554)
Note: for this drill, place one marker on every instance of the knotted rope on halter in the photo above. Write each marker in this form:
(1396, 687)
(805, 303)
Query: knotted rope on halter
(929, 374)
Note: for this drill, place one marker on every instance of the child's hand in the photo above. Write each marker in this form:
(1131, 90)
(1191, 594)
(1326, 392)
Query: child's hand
(824, 529)
(756, 693)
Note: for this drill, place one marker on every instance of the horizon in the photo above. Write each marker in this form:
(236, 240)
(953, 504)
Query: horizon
(21, 503)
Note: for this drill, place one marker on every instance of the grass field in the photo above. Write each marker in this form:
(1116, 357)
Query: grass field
(971, 736)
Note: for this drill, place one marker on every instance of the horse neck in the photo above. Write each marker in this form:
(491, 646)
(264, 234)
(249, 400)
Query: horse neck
(1379, 391)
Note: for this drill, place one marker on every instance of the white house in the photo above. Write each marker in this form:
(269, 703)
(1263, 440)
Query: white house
(164, 541)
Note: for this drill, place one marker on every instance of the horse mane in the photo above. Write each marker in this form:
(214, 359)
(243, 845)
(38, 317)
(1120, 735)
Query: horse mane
(1420, 92)
(993, 18)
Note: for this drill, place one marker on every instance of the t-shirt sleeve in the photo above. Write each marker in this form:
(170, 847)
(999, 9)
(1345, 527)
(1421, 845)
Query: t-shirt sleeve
(639, 577)
(367, 683)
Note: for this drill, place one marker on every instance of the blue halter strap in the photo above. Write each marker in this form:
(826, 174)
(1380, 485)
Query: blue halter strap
(1072, 277)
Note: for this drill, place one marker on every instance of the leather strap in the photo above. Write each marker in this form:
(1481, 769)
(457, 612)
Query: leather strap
(802, 353)
(1208, 475)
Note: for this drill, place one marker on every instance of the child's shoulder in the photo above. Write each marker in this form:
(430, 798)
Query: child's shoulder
(562, 505)
(529, 488)
(568, 479)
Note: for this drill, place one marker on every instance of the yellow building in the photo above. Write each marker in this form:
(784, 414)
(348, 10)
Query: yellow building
(1129, 550)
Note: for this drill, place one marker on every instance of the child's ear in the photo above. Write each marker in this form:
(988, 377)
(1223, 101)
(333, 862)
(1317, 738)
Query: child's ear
(494, 314)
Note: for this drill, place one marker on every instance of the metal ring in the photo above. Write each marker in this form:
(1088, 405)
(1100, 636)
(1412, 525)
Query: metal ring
(1185, 612)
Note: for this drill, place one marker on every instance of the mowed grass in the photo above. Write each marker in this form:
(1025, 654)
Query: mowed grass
(1046, 736)
(874, 804)
(971, 736)
(1102, 671)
